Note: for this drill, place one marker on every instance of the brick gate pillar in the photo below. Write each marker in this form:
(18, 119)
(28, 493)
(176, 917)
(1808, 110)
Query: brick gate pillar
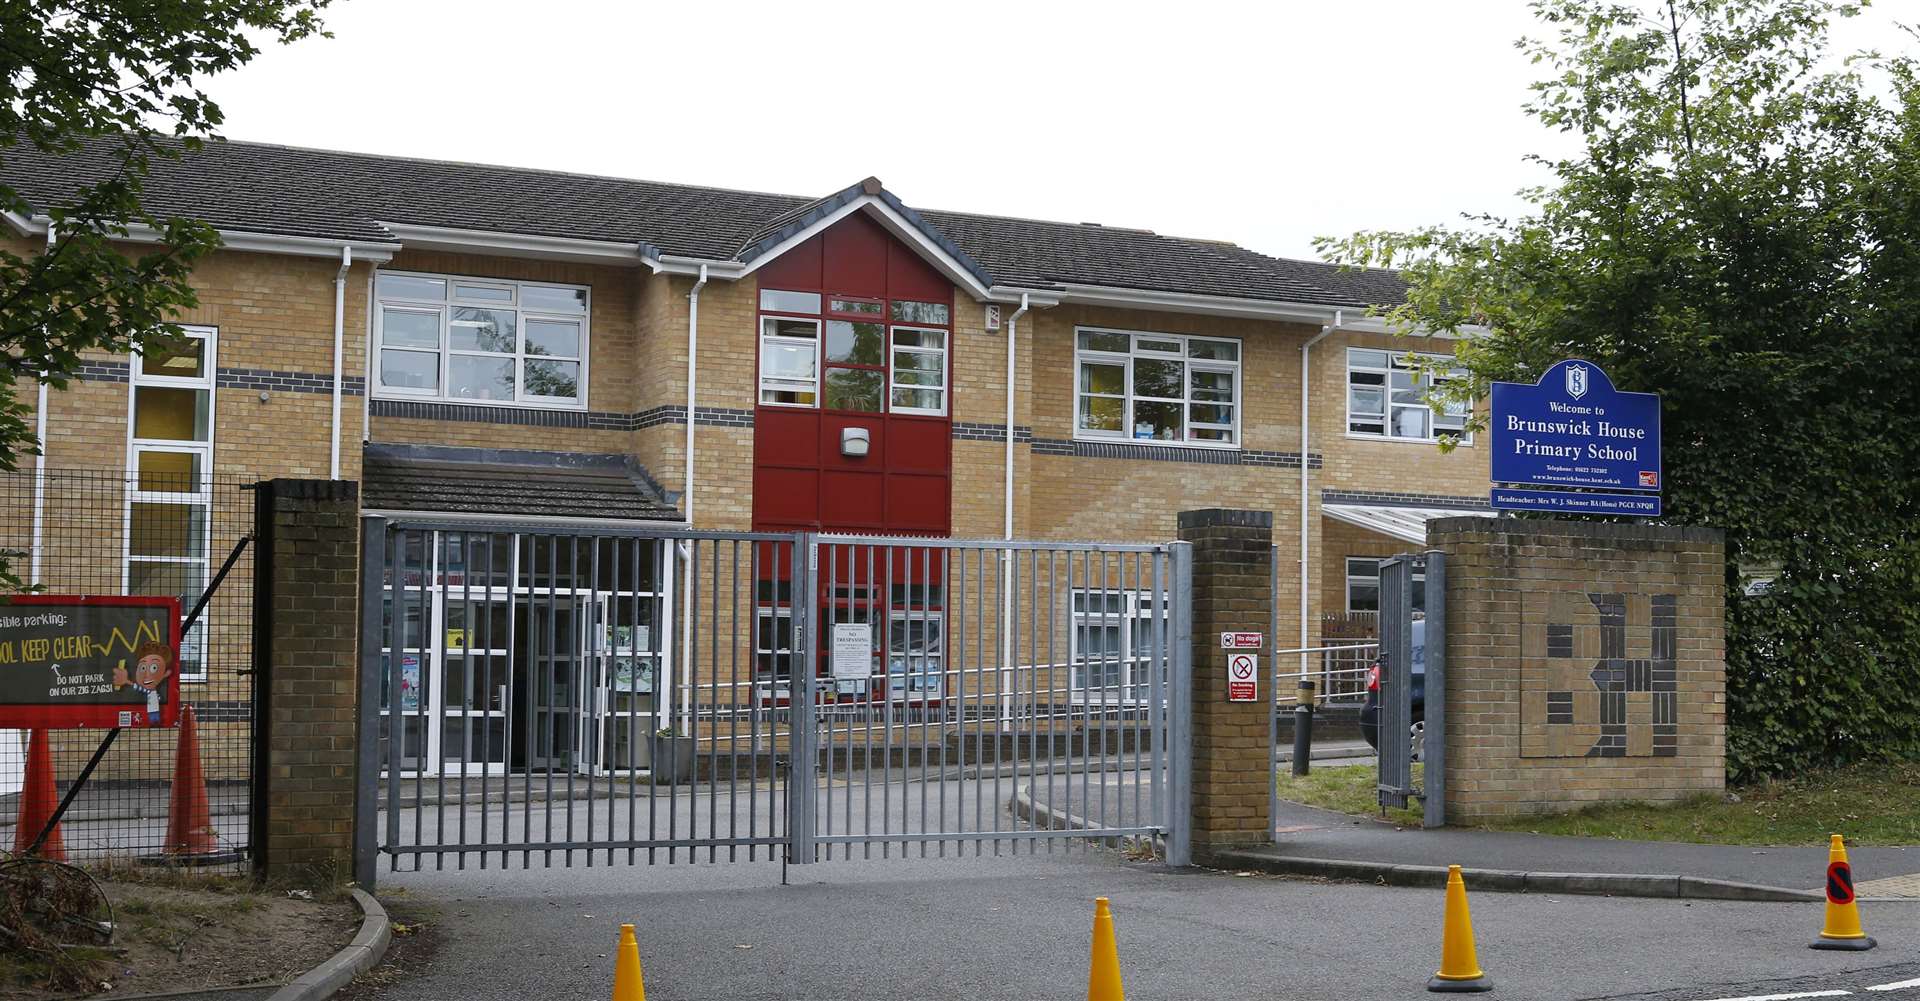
(306, 615)
(1232, 746)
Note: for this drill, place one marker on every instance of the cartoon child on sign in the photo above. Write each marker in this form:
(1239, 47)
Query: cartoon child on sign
(152, 664)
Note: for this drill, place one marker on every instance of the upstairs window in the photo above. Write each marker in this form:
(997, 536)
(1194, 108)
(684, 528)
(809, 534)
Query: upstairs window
(1389, 396)
(169, 477)
(472, 340)
(1165, 388)
(853, 354)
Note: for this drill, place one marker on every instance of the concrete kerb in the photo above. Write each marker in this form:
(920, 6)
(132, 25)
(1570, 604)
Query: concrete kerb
(368, 947)
(1041, 815)
(1511, 881)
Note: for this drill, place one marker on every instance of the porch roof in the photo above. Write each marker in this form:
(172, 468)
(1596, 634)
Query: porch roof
(1408, 524)
(438, 479)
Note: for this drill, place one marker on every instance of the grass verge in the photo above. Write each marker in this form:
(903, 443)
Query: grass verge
(1872, 804)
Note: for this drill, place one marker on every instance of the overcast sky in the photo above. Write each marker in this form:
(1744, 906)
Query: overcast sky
(1266, 124)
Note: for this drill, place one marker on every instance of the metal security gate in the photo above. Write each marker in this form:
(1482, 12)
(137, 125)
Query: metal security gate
(1413, 656)
(598, 696)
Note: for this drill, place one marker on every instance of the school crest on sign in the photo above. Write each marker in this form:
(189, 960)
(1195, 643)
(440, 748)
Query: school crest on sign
(1576, 381)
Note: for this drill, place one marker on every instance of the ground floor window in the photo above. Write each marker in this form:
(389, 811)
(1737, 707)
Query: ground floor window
(1115, 638)
(1363, 585)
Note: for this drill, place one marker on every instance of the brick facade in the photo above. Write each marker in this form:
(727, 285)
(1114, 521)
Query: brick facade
(1585, 664)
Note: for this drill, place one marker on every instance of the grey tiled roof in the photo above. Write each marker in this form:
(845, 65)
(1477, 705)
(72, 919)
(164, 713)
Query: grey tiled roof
(509, 482)
(286, 190)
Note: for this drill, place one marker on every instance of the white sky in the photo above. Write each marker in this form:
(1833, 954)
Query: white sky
(1265, 123)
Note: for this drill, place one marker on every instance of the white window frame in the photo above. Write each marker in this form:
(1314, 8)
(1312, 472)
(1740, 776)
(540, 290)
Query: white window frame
(935, 662)
(1129, 399)
(941, 352)
(1136, 608)
(200, 496)
(443, 309)
(1396, 362)
(787, 385)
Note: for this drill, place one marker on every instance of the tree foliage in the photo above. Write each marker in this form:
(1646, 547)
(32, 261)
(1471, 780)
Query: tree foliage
(1738, 229)
(128, 73)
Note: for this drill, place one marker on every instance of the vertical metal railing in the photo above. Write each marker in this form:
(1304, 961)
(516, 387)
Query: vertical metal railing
(557, 696)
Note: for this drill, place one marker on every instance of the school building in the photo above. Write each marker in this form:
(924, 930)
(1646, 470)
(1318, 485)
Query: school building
(481, 342)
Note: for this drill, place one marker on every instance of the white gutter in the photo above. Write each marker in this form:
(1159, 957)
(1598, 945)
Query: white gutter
(40, 460)
(686, 492)
(230, 239)
(1306, 523)
(339, 350)
(1006, 572)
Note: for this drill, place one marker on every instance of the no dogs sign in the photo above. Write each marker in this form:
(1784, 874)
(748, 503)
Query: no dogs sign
(1243, 677)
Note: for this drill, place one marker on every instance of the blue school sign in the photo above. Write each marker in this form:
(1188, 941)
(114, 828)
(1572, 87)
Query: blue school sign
(1572, 429)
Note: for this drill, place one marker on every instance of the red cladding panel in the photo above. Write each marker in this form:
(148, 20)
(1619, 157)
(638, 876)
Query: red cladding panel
(786, 436)
(856, 256)
(909, 276)
(920, 445)
(786, 497)
(852, 500)
(918, 504)
(798, 268)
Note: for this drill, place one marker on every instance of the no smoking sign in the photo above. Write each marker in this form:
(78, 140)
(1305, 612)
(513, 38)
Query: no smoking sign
(1243, 677)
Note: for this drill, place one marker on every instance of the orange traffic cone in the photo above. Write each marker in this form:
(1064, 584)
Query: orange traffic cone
(1459, 964)
(1103, 974)
(628, 984)
(37, 802)
(189, 822)
(1841, 930)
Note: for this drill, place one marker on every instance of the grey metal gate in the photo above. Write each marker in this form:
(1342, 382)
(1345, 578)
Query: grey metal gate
(1413, 654)
(651, 694)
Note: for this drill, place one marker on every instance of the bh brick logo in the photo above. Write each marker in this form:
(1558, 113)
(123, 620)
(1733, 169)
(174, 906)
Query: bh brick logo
(1600, 675)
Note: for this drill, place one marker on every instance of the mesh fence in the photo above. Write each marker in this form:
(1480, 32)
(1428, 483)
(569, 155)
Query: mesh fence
(168, 530)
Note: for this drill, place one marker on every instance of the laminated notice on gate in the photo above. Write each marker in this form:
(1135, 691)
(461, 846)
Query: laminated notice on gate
(852, 651)
(93, 662)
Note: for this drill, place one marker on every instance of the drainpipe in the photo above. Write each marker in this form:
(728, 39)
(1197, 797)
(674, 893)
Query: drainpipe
(339, 349)
(40, 460)
(1306, 523)
(1006, 571)
(366, 360)
(686, 492)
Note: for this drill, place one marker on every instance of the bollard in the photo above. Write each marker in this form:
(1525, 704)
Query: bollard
(1303, 730)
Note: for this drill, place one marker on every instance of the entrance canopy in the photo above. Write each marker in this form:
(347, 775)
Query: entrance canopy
(1408, 524)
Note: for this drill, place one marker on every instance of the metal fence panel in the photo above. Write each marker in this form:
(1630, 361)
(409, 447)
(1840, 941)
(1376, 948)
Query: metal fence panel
(166, 530)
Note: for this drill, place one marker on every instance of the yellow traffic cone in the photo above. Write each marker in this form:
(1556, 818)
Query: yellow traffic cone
(1842, 927)
(1459, 966)
(1103, 976)
(628, 984)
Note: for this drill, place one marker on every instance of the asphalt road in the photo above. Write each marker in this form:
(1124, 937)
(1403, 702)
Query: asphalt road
(1017, 927)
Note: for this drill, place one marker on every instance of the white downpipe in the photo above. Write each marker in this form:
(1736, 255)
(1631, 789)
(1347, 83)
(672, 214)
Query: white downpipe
(339, 352)
(1006, 569)
(40, 464)
(366, 359)
(1306, 523)
(686, 490)
(13, 750)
